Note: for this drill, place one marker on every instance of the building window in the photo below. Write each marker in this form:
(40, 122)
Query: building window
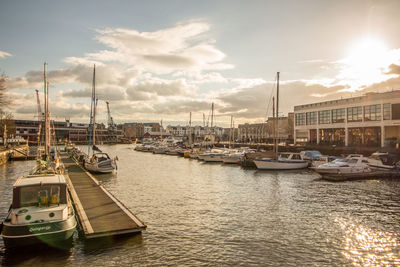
(395, 111)
(354, 114)
(386, 111)
(311, 118)
(324, 117)
(300, 119)
(338, 115)
(372, 113)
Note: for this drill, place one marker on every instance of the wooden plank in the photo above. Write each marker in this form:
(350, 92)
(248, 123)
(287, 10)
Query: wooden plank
(98, 208)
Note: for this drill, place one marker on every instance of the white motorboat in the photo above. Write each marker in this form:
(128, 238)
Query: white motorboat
(382, 161)
(215, 155)
(160, 150)
(233, 158)
(100, 162)
(348, 165)
(285, 161)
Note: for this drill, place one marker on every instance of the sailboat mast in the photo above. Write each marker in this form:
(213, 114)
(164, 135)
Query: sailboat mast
(48, 136)
(231, 133)
(46, 113)
(277, 116)
(95, 104)
(212, 114)
(273, 123)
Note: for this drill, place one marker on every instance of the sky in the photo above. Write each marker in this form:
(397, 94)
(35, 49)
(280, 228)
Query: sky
(161, 60)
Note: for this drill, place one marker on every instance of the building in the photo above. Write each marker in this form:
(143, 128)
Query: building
(133, 130)
(63, 131)
(372, 119)
(198, 132)
(264, 132)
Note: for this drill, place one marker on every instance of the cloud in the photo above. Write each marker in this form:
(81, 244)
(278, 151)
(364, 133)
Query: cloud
(4, 54)
(394, 69)
(166, 88)
(183, 47)
(253, 102)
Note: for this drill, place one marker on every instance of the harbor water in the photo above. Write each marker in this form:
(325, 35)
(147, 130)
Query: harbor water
(202, 214)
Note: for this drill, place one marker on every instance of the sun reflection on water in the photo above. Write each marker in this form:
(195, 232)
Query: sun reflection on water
(365, 246)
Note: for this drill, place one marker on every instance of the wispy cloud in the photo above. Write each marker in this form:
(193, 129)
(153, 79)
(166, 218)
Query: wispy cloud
(4, 54)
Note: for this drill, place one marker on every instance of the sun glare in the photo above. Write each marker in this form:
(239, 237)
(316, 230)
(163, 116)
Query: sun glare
(366, 63)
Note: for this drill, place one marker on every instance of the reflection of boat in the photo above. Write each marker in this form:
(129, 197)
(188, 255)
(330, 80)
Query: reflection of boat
(285, 161)
(41, 212)
(98, 162)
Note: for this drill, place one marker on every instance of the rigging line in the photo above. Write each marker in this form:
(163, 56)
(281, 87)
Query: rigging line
(270, 98)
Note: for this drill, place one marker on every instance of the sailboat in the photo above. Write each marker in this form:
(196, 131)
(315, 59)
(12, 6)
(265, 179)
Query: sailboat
(283, 161)
(41, 210)
(99, 161)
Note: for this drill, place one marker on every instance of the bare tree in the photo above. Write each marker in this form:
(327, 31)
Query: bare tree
(7, 122)
(3, 97)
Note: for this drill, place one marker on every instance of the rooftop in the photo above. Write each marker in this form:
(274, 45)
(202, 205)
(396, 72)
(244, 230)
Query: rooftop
(40, 179)
(358, 99)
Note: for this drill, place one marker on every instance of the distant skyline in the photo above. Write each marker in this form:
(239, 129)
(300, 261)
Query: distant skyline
(160, 60)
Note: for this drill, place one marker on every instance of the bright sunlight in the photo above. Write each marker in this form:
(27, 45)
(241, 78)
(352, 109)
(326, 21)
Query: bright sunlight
(367, 62)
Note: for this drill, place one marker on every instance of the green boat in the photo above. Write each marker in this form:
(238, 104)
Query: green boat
(41, 212)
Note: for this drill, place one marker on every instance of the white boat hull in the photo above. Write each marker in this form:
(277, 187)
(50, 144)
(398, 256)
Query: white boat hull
(342, 170)
(106, 166)
(269, 164)
(212, 158)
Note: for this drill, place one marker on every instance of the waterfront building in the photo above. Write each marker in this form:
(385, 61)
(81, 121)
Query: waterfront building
(138, 130)
(198, 132)
(264, 132)
(372, 119)
(64, 131)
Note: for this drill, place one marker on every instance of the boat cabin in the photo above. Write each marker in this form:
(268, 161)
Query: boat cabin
(39, 191)
(99, 157)
(290, 156)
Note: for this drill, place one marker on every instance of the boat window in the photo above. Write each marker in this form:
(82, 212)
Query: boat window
(55, 195)
(29, 196)
(364, 161)
(39, 195)
(296, 156)
(352, 161)
(285, 156)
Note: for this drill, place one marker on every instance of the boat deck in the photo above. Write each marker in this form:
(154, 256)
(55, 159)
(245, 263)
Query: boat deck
(99, 212)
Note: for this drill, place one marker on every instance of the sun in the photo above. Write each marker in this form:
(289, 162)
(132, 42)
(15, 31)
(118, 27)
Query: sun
(365, 64)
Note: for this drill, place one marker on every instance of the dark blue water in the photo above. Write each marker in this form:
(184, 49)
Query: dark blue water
(212, 214)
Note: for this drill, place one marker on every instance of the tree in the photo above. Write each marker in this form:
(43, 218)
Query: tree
(7, 120)
(3, 97)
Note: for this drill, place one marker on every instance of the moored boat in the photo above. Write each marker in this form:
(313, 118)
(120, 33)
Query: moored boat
(41, 212)
(98, 162)
(350, 164)
(285, 161)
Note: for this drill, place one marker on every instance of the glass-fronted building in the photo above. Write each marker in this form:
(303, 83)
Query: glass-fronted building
(372, 119)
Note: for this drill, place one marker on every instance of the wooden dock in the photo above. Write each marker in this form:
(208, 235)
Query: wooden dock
(99, 212)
